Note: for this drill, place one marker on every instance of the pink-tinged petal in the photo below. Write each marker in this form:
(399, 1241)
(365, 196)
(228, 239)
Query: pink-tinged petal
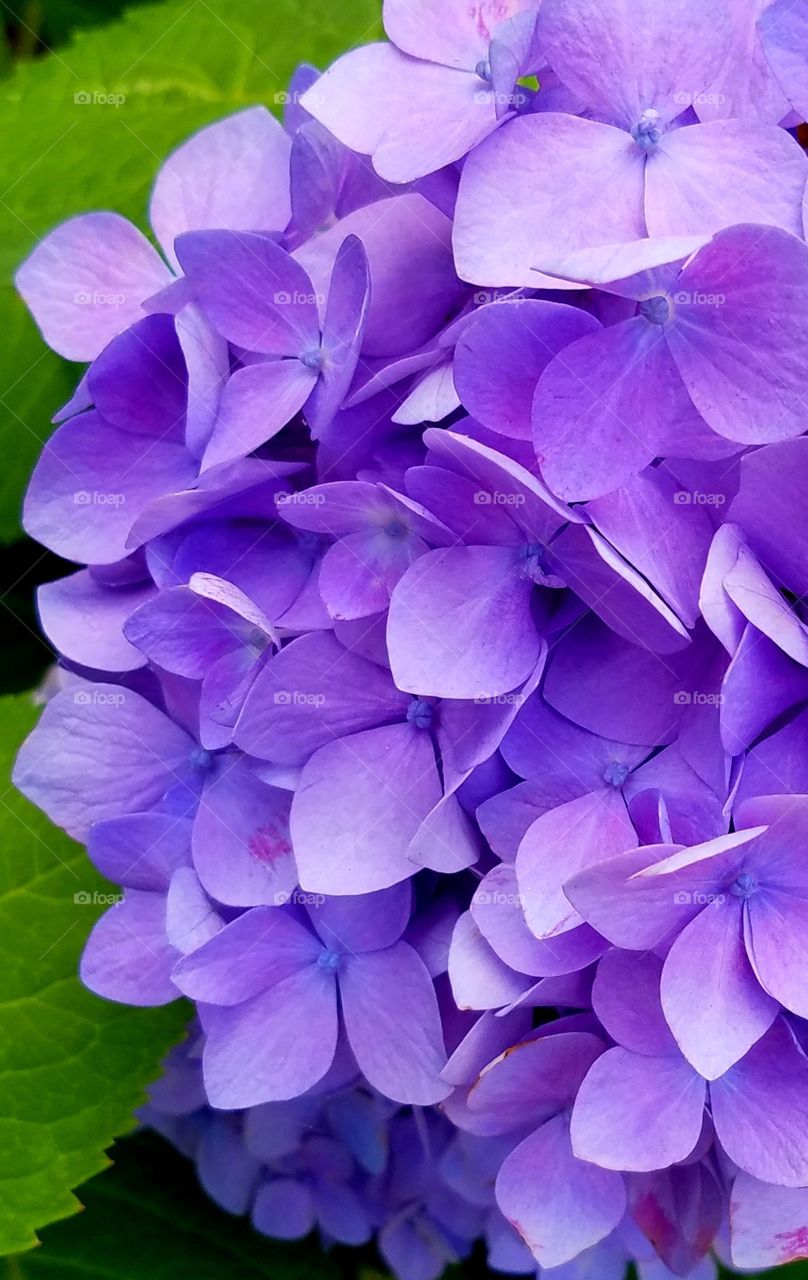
(450, 32)
(128, 957)
(598, 405)
(559, 1216)
(91, 484)
(447, 617)
(132, 752)
(256, 404)
(560, 844)
(242, 846)
(284, 1209)
(275, 1046)
(359, 802)
(760, 1110)
(233, 174)
(343, 331)
(480, 980)
(625, 997)
(252, 292)
(638, 1113)
(742, 355)
(397, 1043)
(257, 950)
(142, 850)
(85, 282)
(768, 1225)
(405, 237)
(84, 620)
(502, 354)
(659, 56)
(311, 693)
(549, 172)
(784, 32)
(777, 940)
(711, 176)
(712, 1000)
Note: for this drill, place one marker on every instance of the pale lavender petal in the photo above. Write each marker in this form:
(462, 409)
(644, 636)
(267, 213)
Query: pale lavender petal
(127, 956)
(85, 282)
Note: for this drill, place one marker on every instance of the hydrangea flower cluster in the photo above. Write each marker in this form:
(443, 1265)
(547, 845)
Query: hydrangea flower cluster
(435, 679)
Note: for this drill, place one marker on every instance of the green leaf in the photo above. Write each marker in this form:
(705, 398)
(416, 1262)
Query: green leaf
(72, 1066)
(147, 1219)
(88, 126)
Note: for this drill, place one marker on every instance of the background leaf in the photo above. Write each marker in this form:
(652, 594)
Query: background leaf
(147, 1219)
(72, 1066)
(87, 127)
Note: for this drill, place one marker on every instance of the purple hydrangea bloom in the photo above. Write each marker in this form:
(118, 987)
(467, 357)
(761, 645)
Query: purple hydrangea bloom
(433, 675)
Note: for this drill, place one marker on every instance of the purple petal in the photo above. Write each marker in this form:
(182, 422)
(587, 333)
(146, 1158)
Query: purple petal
(549, 172)
(132, 752)
(760, 1110)
(359, 803)
(561, 1216)
(258, 950)
(234, 174)
(273, 1047)
(242, 846)
(85, 282)
(251, 290)
(391, 1016)
(256, 404)
(85, 619)
(128, 957)
(447, 616)
(142, 850)
(638, 1113)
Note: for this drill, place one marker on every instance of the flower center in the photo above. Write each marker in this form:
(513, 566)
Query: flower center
(396, 530)
(745, 886)
(648, 130)
(200, 759)
(656, 310)
(312, 358)
(329, 960)
(483, 70)
(419, 713)
(615, 773)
